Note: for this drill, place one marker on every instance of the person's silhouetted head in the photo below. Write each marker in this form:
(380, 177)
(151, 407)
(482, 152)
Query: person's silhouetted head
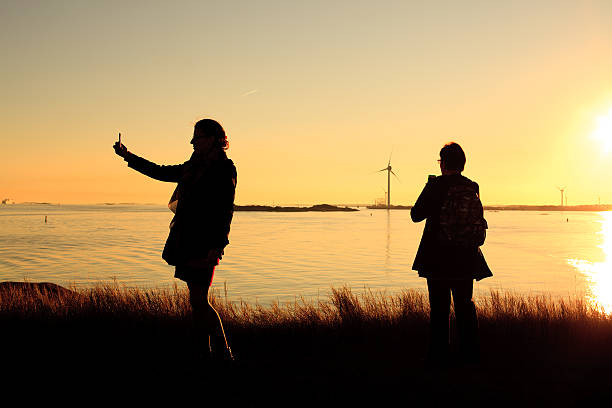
(452, 157)
(210, 129)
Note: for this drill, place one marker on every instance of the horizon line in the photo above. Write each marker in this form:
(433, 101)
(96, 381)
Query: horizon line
(303, 204)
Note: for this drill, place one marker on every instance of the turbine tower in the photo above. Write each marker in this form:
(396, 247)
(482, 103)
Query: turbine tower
(389, 171)
(561, 189)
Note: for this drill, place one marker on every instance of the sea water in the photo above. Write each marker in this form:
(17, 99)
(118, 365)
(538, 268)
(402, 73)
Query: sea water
(276, 256)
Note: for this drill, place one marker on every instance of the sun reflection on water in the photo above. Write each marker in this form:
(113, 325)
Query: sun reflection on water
(599, 274)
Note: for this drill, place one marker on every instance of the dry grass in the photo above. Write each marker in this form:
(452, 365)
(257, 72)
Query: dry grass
(535, 348)
(343, 306)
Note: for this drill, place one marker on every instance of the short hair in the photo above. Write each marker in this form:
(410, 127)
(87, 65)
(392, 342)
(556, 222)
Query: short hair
(212, 128)
(453, 157)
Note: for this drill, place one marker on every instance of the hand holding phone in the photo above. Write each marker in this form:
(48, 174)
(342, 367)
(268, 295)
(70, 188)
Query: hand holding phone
(120, 149)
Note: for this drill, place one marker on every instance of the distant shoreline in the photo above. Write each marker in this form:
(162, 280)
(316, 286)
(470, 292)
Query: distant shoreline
(592, 207)
(327, 207)
(350, 207)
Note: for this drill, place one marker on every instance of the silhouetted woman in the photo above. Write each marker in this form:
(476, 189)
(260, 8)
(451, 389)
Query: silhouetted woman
(203, 203)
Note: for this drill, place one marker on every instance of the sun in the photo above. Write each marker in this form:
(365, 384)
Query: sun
(603, 132)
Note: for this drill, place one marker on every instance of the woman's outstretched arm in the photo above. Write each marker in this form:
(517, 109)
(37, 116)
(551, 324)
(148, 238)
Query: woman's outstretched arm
(162, 173)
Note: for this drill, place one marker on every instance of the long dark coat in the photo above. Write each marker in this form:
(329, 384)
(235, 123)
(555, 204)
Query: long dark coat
(435, 259)
(205, 206)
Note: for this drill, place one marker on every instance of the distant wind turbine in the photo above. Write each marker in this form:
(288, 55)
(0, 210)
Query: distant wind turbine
(389, 171)
(561, 189)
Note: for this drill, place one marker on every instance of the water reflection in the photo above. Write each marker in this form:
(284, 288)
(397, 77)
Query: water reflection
(599, 274)
(387, 252)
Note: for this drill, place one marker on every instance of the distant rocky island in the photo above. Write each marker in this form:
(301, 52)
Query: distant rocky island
(318, 207)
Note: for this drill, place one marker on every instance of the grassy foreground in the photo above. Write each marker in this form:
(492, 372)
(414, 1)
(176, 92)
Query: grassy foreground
(352, 348)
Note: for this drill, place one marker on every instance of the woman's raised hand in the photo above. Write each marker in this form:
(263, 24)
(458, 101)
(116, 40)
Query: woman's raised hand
(120, 149)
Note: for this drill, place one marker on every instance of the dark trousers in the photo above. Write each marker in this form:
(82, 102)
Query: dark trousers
(465, 314)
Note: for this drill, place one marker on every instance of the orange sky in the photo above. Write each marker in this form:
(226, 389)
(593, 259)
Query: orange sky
(314, 97)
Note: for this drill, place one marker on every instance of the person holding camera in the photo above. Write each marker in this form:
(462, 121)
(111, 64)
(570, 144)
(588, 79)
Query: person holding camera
(203, 204)
(449, 256)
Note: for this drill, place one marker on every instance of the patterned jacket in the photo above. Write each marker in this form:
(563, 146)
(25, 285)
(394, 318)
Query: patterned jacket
(434, 259)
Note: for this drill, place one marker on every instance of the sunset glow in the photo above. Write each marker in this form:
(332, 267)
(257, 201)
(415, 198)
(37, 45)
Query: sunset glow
(312, 101)
(603, 133)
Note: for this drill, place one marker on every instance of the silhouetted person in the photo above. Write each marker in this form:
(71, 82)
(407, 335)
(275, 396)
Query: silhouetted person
(449, 256)
(203, 203)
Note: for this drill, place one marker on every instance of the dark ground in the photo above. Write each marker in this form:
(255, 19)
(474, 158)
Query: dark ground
(135, 361)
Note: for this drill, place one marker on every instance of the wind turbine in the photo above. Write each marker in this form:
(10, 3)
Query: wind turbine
(389, 171)
(561, 189)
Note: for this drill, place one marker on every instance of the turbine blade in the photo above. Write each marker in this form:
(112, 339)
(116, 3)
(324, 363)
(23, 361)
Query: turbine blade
(396, 176)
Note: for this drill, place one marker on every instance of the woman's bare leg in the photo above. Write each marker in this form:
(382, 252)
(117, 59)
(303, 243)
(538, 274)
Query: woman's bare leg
(207, 323)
